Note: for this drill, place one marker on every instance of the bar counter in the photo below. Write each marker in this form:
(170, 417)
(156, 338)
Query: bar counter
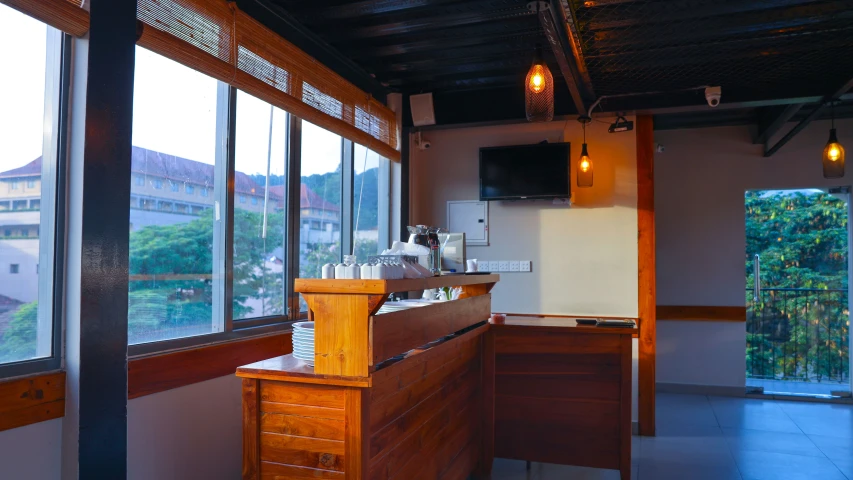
(435, 392)
(401, 395)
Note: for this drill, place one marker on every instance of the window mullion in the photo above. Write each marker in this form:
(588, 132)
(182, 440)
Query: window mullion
(292, 212)
(347, 184)
(223, 192)
(47, 203)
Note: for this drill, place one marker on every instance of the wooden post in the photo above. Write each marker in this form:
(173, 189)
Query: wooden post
(646, 272)
(251, 429)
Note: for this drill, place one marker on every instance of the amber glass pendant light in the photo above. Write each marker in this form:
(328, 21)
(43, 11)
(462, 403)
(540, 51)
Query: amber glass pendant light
(539, 91)
(833, 153)
(584, 170)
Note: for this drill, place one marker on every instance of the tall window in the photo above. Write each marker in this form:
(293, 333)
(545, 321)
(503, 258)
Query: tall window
(258, 231)
(172, 282)
(29, 95)
(370, 202)
(320, 200)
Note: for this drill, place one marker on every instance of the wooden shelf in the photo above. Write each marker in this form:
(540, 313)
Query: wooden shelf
(378, 287)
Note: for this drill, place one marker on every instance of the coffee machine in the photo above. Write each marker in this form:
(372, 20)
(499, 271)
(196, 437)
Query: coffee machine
(428, 237)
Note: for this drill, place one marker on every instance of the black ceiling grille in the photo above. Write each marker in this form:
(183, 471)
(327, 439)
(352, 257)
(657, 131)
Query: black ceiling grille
(752, 48)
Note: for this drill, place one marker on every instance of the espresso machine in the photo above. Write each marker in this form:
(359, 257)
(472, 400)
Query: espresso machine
(428, 237)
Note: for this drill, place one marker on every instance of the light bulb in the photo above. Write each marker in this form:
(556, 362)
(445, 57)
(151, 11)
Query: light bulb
(537, 79)
(584, 166)
(834, 153)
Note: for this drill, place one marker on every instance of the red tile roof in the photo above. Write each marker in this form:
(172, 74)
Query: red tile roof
(157, 164)
(307, 198)
(182, 170)
(29, 170)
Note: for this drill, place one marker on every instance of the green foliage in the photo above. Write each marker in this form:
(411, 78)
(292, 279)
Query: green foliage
(19, 339)
(163, 306)
(798, 328)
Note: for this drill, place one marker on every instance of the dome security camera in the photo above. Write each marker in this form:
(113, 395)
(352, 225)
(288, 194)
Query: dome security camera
(712, 95)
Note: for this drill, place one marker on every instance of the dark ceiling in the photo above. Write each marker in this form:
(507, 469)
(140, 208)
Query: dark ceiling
(759, 51)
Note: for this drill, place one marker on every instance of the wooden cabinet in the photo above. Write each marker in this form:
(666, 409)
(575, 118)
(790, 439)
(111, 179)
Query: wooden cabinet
(563, 393)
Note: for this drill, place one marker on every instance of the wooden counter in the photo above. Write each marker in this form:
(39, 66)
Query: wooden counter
(357, 415)
(562, 392)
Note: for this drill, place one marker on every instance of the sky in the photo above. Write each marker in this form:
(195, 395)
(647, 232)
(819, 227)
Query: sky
(174, 112)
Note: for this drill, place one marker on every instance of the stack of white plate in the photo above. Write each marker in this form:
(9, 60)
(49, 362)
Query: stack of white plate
(303, 342)
(389, 307)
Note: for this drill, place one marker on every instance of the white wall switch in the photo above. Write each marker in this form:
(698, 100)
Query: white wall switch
(513, 266)
(524, 266)
(503, 266)
(494, 266)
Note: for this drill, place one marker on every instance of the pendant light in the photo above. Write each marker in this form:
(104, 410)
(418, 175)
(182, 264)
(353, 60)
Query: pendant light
(584, 170)
(539, 91)
(833, 153)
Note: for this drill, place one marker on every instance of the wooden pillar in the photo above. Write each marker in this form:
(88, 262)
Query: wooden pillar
(102, 363)
(646, 272)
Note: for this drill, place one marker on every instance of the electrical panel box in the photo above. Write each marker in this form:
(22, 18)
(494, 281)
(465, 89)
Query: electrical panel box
(471, 218)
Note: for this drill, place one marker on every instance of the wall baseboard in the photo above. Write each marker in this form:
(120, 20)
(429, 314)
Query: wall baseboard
(691, 389)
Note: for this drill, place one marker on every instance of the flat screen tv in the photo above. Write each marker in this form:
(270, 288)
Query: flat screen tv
(525, 171)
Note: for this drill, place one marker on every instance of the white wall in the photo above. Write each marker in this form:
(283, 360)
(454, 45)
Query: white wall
(188, 432)
(584, 257)
(700, 181)
(32, 452)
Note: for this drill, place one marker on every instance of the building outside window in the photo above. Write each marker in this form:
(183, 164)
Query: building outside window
(171, 290)
(204, 192)
(140, 181)
(175, 187)
(321, 192)
(259, 242)
(190, 189)
(28, 122)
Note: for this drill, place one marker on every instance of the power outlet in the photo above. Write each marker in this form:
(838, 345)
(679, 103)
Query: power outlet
(483, 266)
(494, 266)
(524, 266)
(503, 266)
(513, 266)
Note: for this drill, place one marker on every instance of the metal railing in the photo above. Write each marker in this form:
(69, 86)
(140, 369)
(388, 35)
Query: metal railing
(798, 334)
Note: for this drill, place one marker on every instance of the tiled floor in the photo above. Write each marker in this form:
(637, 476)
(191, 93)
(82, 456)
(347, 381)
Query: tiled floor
(722, 438)
(810, 388)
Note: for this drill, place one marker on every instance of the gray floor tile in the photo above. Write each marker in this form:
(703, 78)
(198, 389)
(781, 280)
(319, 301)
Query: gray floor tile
(761, 441)
(846, 466)
(836, 411)
(685, 451)
(761, 416)
(781, 466)
(836, 448)
(825, 426)
(688, 472)
(546, 471)
(505, 469)
(684, 410)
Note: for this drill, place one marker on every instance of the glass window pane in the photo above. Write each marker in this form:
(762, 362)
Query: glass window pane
(369, 198)
(259, 244)
(25, 325)
(171, 247)
(320, 200)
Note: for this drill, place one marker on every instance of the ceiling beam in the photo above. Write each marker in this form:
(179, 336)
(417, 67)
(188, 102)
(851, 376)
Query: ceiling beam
(773, 121)
(769, 151)
(554, 25)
